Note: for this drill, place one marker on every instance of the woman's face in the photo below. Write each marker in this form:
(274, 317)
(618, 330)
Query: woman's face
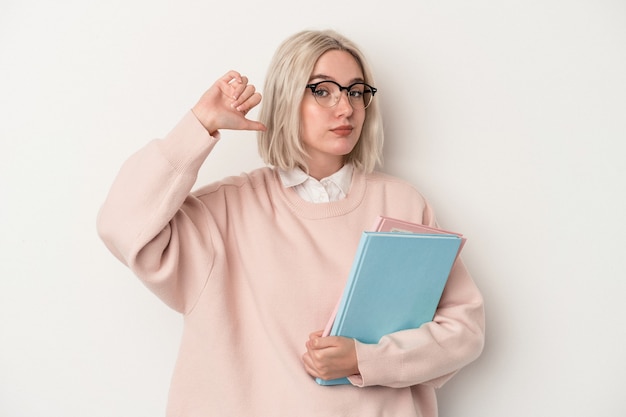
(330, 133)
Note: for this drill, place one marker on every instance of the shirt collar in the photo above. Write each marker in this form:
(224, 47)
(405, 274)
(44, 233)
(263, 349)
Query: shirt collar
(296, 176)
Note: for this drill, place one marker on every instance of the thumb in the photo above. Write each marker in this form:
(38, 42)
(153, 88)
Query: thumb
(254, 125)
(325, 342)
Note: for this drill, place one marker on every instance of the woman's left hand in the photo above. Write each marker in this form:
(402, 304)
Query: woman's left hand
(330, 357)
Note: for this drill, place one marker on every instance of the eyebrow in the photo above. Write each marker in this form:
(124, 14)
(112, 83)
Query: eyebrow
(329, 78)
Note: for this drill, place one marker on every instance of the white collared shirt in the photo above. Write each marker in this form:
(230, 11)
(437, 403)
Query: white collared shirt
(332, 188)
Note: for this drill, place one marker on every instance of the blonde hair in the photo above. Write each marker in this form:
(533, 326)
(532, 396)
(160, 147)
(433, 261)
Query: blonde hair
(288, 73)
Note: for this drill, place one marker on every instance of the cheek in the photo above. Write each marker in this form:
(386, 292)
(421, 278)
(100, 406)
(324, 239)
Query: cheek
(358, 123)
(310, 110)
(310, 119)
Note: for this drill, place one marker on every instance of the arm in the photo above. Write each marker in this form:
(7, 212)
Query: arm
(429, 355)
(435, 351)
(148, 220)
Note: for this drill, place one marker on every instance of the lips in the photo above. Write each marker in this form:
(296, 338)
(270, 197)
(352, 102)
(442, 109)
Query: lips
(342, 130)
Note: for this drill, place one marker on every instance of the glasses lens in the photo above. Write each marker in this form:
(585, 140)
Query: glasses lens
(360, 95)
(326, 94)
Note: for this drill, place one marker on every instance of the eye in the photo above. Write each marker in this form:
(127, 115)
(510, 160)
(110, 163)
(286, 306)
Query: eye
(321, 91)
(357, 91)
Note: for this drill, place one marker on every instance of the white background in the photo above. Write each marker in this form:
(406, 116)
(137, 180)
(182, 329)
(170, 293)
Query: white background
(510, 116)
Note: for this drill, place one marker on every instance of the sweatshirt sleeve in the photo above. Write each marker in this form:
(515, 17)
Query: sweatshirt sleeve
(149, 208)
(433, 353)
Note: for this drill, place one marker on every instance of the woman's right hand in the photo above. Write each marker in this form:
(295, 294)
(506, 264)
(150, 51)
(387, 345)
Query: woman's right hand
(225, 104)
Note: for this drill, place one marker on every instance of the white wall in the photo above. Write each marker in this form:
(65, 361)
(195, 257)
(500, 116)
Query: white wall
(510, 116)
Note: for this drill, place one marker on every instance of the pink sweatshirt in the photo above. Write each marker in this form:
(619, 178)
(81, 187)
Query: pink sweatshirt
(254, 269)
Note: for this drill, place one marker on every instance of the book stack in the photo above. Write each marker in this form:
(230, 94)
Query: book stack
(397, 278)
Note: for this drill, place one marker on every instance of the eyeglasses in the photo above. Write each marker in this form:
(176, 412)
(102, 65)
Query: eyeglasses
(327, 93)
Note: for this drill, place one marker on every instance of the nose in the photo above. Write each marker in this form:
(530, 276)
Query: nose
(343, 104)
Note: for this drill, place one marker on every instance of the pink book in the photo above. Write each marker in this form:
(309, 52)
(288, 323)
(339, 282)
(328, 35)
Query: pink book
(387, 224)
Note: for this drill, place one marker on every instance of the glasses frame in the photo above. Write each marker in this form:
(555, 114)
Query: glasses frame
(313, 88)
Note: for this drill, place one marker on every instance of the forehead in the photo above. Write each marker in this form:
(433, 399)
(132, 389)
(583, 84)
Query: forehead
(337, 65)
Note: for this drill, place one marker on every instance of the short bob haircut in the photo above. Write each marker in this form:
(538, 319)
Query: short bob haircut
(288, 73)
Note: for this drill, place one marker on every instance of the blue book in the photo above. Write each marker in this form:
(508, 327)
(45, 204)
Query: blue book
(395, 283)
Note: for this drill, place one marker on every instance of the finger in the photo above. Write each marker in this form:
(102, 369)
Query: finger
(316, 335)
(248, 97)
(230, 77)
(248, 91)
(240, 86)
(310, 345)
(246, 105)
(309, 367)
(231, 84)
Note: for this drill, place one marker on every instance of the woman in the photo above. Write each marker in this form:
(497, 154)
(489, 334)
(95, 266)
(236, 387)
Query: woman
(256, 263)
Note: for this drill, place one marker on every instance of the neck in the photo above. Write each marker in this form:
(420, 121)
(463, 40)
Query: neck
(319, 171)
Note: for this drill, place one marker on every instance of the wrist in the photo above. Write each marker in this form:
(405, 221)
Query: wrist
(205, 120)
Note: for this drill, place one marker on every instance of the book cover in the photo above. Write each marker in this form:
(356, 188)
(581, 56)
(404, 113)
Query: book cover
(395, 283)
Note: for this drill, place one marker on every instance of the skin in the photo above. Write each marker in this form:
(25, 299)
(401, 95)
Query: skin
(328, 134)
